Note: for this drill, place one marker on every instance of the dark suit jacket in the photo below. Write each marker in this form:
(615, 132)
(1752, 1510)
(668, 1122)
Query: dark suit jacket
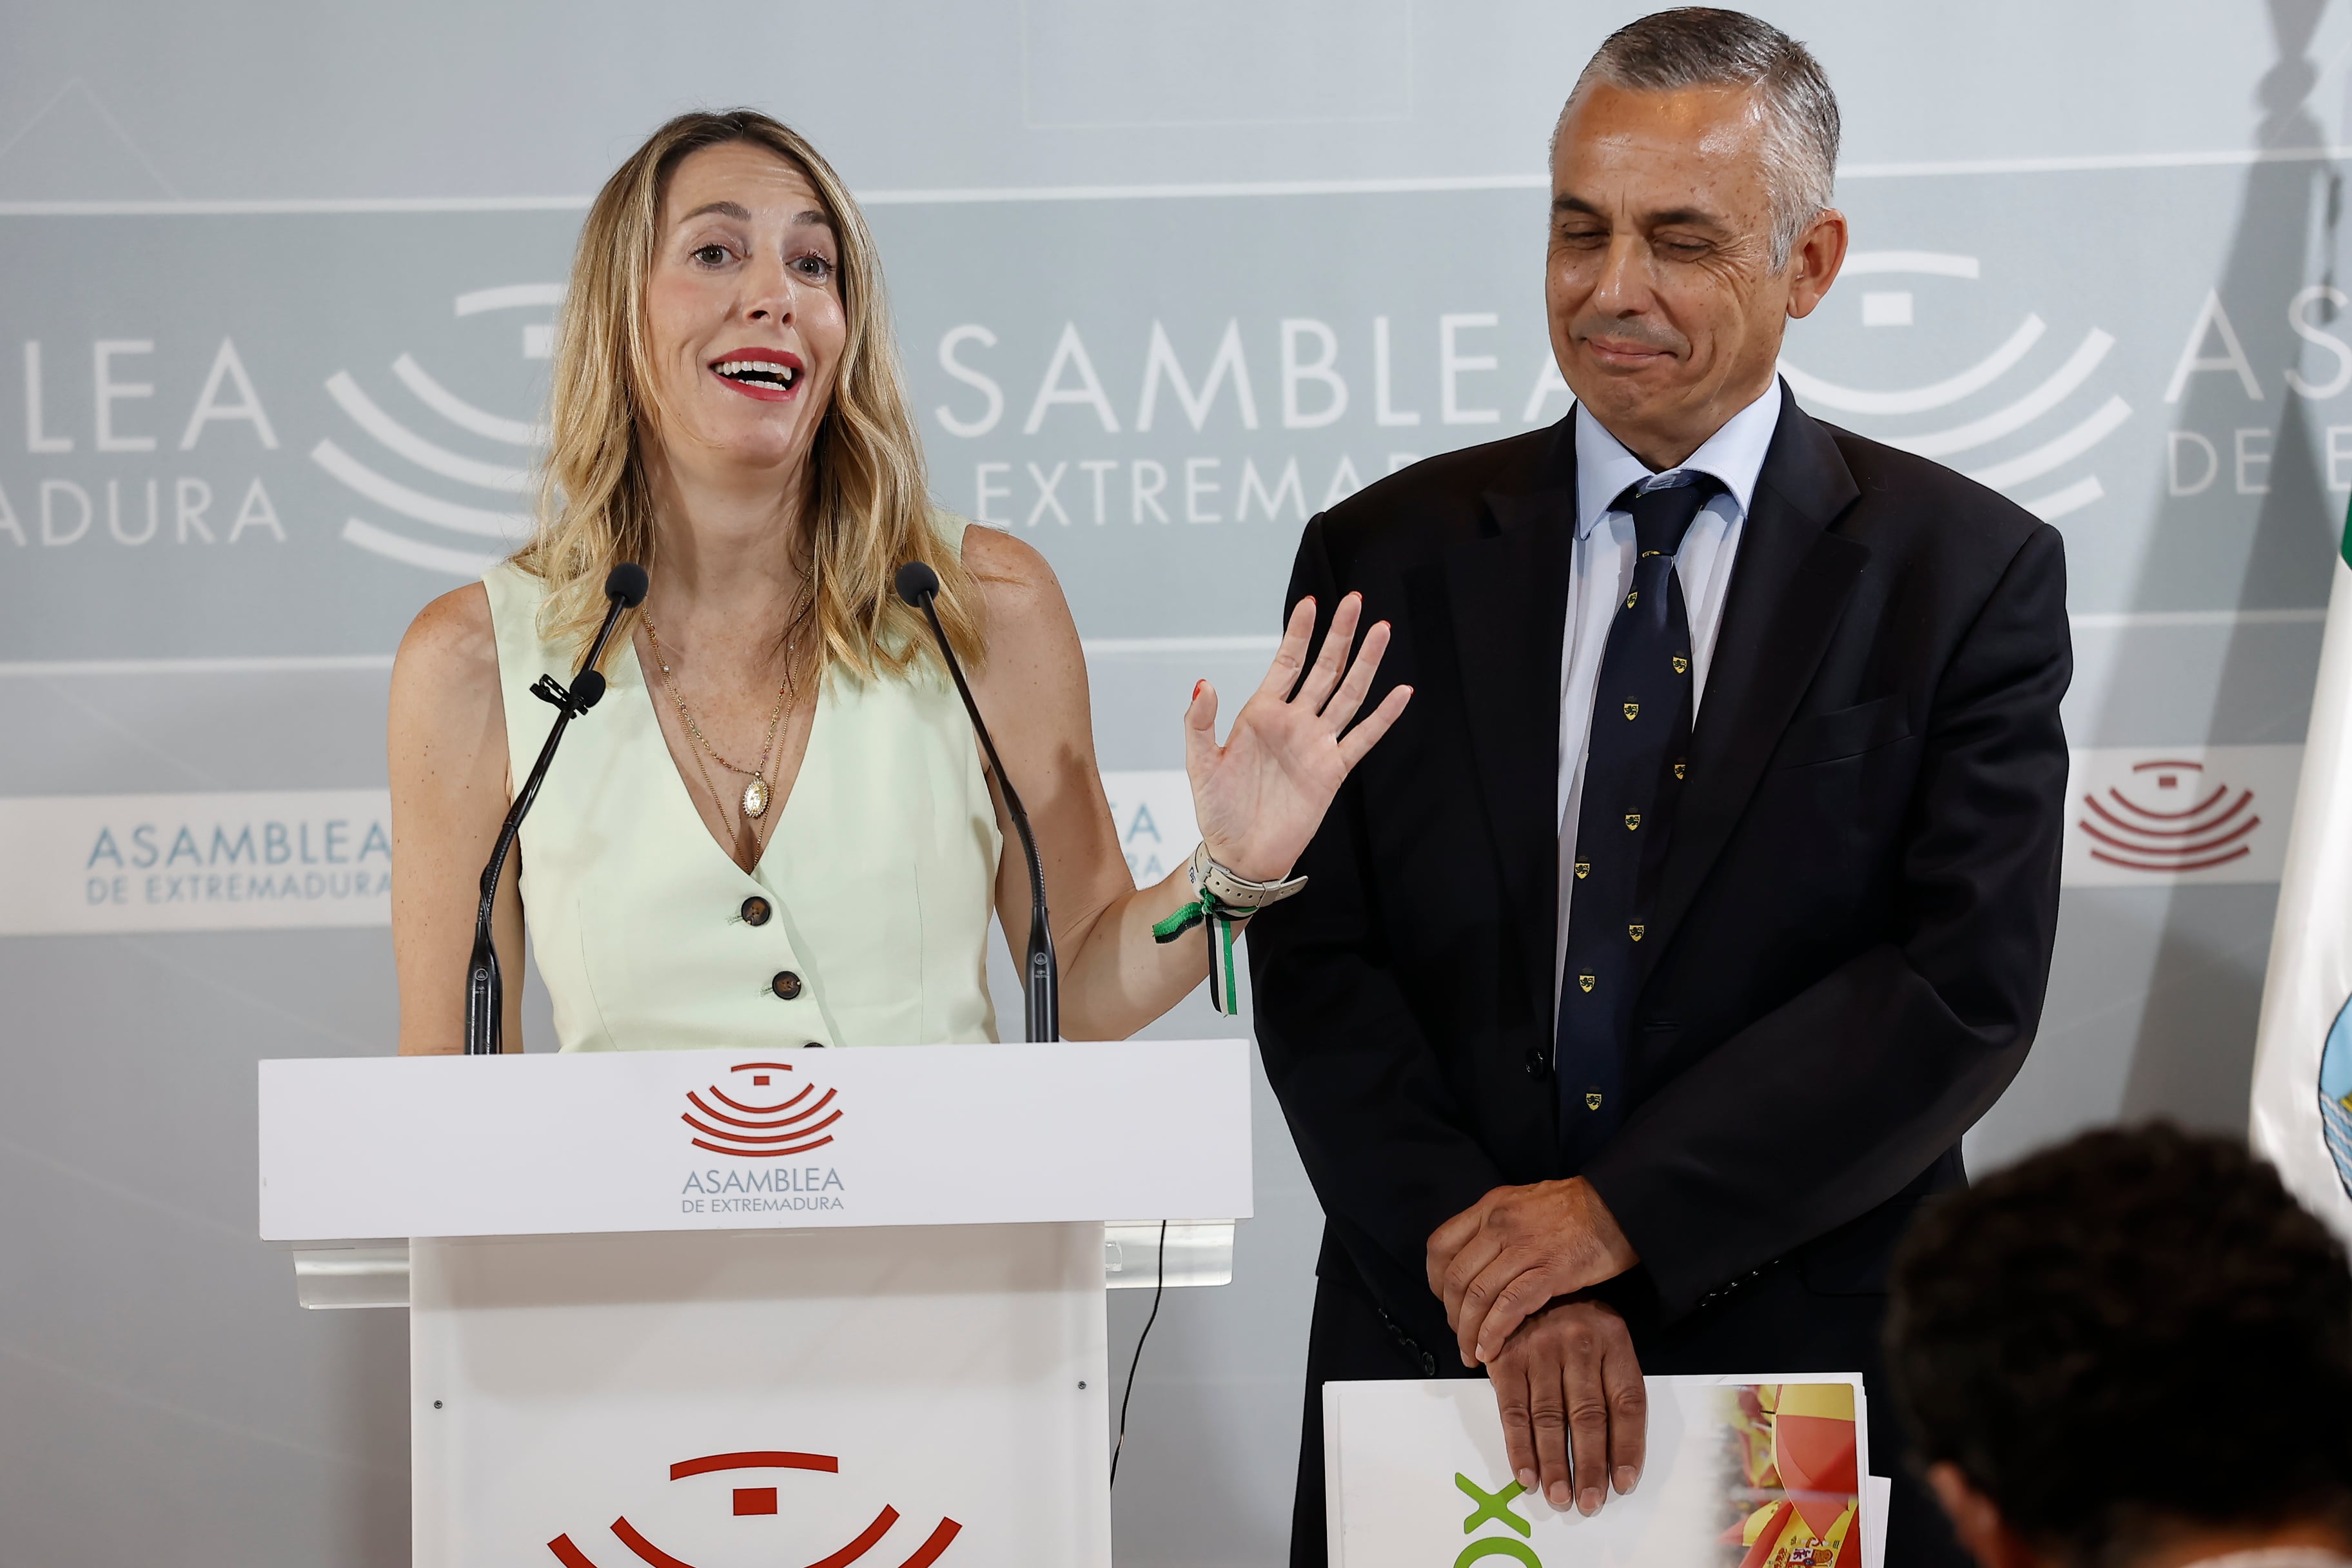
(1848, 960)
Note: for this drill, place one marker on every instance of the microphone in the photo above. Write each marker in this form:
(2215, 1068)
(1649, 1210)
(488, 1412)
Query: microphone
(920, 586)
(625, 588)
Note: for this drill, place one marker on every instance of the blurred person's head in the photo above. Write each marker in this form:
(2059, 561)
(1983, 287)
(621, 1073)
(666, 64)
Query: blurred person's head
(1692, 172)
(725, 334)
(2132, 1351)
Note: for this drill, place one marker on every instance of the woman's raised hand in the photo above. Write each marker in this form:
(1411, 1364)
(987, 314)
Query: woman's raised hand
(1260, 796)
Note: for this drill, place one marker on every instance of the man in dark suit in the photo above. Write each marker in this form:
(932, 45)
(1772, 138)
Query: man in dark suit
(1652, 971)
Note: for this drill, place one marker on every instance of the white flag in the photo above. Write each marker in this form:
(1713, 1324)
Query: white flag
(2303, 1056)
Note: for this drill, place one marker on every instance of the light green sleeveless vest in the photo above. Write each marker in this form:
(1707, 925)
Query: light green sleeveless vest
(878, 876)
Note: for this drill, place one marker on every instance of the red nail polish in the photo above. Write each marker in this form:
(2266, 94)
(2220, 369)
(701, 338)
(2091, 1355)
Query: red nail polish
(1196, 689)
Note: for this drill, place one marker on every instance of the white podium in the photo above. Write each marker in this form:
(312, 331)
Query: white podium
(809, 1309)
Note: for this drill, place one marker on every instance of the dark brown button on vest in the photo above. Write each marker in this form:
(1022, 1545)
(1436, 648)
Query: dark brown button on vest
(786, 985)
(755, 910)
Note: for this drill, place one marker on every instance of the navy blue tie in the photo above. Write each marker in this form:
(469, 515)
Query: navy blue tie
(1634, 770)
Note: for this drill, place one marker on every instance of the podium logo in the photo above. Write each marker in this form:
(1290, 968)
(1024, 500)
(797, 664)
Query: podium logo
(756, 1500)
(752, 1129)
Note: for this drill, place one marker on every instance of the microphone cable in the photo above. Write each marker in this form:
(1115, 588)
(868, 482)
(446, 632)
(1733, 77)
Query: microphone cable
(1158, 1289)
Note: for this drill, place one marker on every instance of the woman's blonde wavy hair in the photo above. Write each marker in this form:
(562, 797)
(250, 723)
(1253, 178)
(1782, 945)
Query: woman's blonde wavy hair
(868, 511)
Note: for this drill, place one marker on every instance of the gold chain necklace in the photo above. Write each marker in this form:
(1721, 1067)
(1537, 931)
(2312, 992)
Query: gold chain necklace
(757, 793)
(735, 828)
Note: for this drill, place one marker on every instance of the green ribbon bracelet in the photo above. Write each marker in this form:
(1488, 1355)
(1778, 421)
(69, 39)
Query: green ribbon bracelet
(1208, 909)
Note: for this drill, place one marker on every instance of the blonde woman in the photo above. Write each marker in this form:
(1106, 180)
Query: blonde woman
(777, 826)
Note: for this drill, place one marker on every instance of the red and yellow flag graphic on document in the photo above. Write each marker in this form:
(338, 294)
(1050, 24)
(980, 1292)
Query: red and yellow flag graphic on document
(1795, 1451)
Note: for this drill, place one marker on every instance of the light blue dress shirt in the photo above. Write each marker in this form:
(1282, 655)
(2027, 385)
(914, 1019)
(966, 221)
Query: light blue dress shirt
(1603, 566)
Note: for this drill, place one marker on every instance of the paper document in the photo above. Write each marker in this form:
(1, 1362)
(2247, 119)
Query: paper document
(1742, 1472)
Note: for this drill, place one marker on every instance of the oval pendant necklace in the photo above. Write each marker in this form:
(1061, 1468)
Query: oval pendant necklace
(757, 793)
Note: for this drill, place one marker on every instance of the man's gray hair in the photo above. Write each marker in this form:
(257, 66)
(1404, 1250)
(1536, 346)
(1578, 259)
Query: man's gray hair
(1697, 46)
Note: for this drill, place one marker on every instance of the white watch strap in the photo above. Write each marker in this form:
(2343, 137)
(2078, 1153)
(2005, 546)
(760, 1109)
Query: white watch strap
(1234, 892)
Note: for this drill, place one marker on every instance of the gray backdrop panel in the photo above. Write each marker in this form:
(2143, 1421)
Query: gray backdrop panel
(322, 188)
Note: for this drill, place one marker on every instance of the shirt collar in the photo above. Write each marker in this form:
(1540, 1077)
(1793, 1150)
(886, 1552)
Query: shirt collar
(1734, 455)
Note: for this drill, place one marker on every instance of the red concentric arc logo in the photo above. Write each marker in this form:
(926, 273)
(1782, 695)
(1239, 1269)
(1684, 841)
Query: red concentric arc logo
(2179, 824)
(762, 1500)
(758, 1131)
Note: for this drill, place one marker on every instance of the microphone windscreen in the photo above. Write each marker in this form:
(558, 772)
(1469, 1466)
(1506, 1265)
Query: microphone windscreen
(916, 582)
(626, 582)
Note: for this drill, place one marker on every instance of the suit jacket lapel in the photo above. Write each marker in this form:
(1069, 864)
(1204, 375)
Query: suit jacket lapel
(1789, 583)
(1506, 594)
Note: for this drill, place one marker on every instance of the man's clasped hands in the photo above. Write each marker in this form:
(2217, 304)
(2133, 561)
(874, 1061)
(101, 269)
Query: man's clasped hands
(1516, 1270)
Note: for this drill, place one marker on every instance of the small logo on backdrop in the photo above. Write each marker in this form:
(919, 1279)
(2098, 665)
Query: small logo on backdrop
(2170, 818)
(464, 537)
(2024, 448)
(763, 1502)
(754, 1130)
(253, 860)
(2179, 817)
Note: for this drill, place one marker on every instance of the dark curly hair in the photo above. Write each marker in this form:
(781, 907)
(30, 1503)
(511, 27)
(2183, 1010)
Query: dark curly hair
(2134, 1332)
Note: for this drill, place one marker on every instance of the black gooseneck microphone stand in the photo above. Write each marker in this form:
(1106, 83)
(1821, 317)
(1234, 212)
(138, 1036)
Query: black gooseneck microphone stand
(625, 588)
(920, 586)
